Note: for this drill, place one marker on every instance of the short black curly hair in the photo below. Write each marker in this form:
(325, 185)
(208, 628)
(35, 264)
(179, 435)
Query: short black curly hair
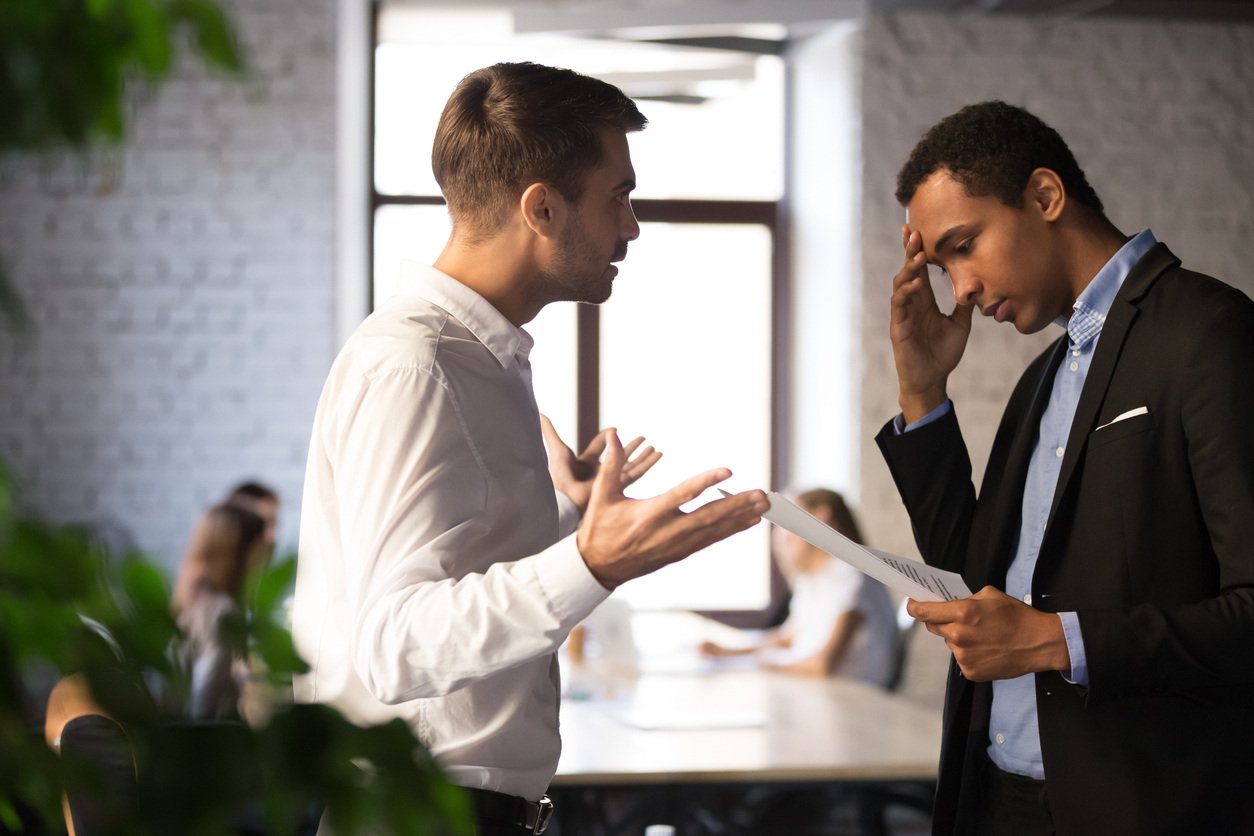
(992, 148)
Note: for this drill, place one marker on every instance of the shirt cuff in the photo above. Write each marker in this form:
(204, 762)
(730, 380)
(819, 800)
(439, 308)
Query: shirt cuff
(568, 515)
(900, 426)
(1075, 649)
(568, 584)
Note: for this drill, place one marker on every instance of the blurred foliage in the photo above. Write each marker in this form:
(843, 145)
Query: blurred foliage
(65, 67)
(65, 64)
(68, 605)
(62, 593)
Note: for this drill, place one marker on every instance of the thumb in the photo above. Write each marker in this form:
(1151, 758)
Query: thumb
(552, 440)
(609, 481)
(962, 315)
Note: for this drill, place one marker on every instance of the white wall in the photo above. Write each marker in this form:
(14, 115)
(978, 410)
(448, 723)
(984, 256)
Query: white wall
(1161, 117)
(825, 196)
(182, 293)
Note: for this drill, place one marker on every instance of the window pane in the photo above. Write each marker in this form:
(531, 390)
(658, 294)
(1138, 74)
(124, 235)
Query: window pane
(686, 361)
(418, 233)
(404, 233)
(697, 101)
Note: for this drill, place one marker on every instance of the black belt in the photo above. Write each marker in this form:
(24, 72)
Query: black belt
(531, 816)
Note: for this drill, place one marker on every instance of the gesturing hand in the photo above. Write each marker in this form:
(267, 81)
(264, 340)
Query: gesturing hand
(573, 475)
(622, 538)
(994, 636)
(927, 344)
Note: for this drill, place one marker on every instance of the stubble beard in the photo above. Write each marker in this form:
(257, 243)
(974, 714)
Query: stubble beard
(576, 275)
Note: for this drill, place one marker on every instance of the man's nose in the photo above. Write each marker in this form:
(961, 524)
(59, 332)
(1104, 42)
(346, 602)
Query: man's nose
(966, 288)
(631, 227)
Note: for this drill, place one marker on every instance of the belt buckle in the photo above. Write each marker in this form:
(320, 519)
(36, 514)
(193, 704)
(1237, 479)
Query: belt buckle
(539, 815)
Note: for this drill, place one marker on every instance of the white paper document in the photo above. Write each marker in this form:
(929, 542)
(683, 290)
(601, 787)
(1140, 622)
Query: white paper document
(915, 579)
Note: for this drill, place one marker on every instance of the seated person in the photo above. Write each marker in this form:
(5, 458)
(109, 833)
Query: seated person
(229, 541)
(840, 622)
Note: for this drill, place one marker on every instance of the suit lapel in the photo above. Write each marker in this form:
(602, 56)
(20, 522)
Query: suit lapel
(1009, 502)
(1119, 320)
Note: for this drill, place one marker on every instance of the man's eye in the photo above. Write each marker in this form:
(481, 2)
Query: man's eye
(964, 247)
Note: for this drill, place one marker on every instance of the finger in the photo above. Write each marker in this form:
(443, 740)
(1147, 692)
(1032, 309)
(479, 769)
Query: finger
(596, 446)
(905, 235)
(629, 448)
(608, 484)
(931, 612)
(552, 440)
(914, 267)
(691, 488)
(642, 465)
(914, 243)
(962, 315)
(743, 509)
(708, 525)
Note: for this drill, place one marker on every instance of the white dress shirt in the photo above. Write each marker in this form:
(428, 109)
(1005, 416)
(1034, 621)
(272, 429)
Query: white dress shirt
(426, 587)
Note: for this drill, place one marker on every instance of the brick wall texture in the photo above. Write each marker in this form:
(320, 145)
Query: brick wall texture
(181, 288)
(1159, 114)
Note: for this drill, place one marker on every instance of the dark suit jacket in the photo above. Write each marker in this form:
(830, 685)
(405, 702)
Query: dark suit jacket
(1150, 540)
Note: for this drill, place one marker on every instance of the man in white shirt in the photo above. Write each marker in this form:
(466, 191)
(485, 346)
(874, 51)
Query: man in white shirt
(432, 584)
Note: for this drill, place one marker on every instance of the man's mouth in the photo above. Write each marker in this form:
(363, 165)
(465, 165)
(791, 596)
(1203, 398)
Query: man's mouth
(997, 311)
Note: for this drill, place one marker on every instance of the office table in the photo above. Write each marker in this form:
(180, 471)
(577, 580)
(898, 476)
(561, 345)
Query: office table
(678, 743)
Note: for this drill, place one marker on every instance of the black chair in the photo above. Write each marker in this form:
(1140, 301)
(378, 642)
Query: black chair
(177, 772)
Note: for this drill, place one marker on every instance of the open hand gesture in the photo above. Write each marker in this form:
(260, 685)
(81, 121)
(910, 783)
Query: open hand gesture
(573, 475)
(622, 538)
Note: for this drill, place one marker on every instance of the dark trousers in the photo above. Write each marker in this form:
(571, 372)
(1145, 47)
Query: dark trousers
(1013, 805)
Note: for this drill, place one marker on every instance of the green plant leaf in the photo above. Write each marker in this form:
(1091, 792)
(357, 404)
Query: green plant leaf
(214, 36)
(152, 36)
(99, 9)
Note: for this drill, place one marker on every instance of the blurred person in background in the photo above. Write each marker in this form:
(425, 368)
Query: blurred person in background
(840, 622)
(262, 500)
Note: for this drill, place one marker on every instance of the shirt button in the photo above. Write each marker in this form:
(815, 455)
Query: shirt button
(1075, 367)
(1027, 599)
(1001, 738)
(1059, 452)
(1075, 352)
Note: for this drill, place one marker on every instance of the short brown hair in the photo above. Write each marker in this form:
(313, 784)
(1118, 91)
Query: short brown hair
(510, 125)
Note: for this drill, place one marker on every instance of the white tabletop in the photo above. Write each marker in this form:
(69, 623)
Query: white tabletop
(744, 726)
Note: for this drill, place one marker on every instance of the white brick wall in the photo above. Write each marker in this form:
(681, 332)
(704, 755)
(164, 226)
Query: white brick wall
(1159, 114)
(182, 292)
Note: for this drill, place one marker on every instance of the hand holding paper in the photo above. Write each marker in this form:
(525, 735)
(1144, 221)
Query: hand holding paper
(915, 579)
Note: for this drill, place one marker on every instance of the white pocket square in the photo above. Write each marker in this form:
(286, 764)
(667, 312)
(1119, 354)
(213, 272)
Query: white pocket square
(1123, 416)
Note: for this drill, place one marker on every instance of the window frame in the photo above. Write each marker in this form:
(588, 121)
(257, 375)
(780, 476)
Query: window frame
(766, 213)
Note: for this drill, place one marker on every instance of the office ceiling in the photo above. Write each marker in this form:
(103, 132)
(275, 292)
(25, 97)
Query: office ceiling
(1197, 9)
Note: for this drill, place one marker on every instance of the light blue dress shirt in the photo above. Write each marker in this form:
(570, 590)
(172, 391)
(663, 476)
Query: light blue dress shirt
(1014, 736)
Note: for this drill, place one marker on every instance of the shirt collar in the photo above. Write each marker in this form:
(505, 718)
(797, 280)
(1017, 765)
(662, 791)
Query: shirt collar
(1089, 314)
(503, 338)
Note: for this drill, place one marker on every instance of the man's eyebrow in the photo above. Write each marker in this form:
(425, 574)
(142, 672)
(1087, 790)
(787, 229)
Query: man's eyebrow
(628, 184)
(943, 241)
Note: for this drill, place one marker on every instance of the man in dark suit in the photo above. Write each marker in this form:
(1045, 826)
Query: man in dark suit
(1103, 675)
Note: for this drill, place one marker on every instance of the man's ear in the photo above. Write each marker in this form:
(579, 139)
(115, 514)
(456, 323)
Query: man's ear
(1046, 193)
(542, 209)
